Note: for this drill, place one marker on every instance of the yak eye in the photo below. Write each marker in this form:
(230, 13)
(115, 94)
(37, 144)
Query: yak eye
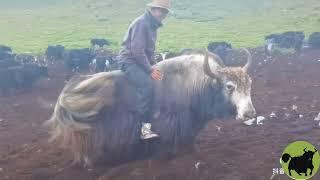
(230, 86)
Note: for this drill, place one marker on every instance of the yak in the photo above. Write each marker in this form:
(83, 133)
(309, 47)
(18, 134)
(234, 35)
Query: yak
(5, 52)
(77, 60)
(99, 42)
(93, 116)
(103, 60)
(54, 52)
(21, 76)
(314, 40)
(290, 39)
(5, 63)
(220, 48)
(4, 48)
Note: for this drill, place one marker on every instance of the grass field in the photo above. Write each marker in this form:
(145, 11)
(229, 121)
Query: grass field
(32, 25)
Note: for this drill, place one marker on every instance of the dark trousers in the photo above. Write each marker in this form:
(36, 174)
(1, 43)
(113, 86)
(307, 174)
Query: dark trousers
(142, 81)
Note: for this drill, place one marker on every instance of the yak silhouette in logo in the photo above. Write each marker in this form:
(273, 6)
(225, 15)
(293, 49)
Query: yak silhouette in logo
(300, 164)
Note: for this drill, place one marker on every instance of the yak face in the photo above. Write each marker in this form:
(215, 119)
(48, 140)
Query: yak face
(308, 154)
(235, 86)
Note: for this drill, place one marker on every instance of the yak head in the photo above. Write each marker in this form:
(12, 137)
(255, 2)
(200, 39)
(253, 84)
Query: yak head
(308, 154)
(235, 84)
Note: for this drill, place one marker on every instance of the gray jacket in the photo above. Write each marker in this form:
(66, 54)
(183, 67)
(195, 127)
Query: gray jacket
(139, 43)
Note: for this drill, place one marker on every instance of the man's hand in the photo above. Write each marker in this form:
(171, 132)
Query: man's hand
(156, 74)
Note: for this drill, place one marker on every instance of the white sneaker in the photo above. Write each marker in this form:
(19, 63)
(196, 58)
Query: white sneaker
(146, 132)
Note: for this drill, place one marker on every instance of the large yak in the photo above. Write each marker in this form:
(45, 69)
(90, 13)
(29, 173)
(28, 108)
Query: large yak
(93, 116)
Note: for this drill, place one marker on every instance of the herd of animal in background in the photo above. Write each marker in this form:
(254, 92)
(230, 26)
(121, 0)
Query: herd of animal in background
(19, 71)
(22, 70)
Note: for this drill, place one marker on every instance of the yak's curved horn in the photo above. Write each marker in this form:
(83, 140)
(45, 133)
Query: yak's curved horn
(206, 66)
(249, 59)
(304, 149)
(217, 58)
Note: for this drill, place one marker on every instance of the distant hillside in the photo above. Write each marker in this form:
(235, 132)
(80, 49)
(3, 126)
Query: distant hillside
(32, 25)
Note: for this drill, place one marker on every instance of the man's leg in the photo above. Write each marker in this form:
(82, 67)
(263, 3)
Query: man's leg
(143, 84)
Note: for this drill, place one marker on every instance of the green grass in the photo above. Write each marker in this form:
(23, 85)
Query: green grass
(32, 25)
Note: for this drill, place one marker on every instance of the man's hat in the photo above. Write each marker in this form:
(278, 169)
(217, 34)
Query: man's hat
(166, 4)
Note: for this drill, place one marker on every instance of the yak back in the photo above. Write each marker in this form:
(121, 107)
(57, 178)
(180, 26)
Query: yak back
(87, 96)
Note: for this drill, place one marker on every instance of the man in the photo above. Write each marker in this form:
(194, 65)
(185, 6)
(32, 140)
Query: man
(137, 55)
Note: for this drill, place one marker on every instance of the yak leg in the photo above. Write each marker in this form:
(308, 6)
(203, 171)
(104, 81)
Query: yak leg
(311, 168)
(176, 130)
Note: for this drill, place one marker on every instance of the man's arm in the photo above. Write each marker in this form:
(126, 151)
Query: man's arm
(138, 45)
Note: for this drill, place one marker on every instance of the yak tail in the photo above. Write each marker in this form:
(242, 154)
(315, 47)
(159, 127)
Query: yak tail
(65, 132)
(75, 113)
(285, 157)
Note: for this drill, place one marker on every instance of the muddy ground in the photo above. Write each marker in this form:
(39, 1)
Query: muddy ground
(225, 149)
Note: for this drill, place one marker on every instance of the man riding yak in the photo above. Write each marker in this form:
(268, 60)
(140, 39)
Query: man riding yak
(137, 55)
(107, 116)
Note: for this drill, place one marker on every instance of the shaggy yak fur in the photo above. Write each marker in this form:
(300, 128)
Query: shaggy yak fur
(93, 115)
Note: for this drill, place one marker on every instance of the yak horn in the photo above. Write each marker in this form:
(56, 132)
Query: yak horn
(206, 66)
(217, 59)
(249, 59)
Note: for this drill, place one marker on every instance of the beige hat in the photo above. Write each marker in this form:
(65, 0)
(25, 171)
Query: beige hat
(166, 4)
